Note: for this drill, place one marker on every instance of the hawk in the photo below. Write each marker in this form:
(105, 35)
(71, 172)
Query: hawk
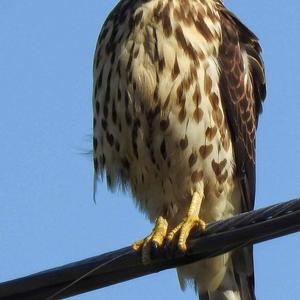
(178, 87)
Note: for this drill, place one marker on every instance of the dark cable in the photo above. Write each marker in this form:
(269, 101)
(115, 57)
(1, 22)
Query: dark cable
(125, 264)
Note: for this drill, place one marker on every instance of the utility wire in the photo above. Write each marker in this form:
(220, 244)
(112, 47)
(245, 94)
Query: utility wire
(125, 264)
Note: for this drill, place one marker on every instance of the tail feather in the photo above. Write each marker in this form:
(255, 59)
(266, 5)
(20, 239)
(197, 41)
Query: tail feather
(242, 261)
(238, 283)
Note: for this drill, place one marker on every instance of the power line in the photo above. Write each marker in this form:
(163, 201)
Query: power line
(125, 264)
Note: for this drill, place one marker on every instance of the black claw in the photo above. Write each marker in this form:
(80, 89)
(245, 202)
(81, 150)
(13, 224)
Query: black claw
(155, 249)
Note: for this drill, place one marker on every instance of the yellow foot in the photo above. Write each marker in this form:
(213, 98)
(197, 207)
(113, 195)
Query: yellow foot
(184, 229)
(191, 221)
(156, 238)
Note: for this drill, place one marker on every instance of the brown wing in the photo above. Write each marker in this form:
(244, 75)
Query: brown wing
(242, 85)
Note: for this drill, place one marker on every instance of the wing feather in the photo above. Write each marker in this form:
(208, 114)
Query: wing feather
(243, 89)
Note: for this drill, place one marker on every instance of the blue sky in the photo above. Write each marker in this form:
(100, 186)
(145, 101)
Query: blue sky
(47, 216)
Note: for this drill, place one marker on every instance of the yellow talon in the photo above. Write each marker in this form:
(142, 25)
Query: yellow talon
(187, 226)
(159, 232)
(157, 236)
(138, 244)
(191, 221)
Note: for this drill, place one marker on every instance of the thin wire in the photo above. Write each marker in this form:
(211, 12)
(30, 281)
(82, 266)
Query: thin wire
(86, 275)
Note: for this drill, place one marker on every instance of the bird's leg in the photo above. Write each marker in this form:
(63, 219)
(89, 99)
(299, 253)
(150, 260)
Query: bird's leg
(156, 239)
(191, 221)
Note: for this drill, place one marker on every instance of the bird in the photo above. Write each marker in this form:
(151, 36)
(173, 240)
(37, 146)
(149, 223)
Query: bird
(178, 86)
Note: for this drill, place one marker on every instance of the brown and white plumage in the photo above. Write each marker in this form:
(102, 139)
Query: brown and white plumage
(178, 86)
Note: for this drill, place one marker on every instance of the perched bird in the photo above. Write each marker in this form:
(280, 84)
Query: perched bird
(178, 87)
